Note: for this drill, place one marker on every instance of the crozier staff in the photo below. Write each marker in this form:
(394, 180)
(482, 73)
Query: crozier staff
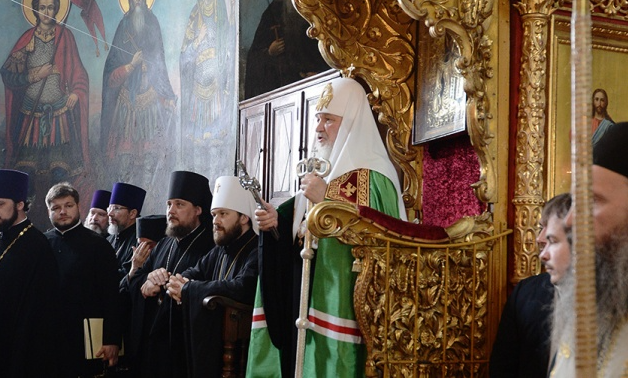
(361, 173)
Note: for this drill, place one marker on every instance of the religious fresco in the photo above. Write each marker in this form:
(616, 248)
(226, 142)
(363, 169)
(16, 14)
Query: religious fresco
(136, 89)
(275, 50)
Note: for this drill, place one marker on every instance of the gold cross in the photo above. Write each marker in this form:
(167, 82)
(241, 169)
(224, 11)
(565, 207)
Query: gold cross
(348, 72)
(349, 189)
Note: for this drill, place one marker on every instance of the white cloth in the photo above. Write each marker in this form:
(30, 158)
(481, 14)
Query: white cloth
(614, 362)
(565, 364)
(229, 193)
(358, 143)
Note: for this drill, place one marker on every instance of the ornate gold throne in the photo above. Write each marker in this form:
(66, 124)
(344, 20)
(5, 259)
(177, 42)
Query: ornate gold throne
(427, 304)
(422, 294)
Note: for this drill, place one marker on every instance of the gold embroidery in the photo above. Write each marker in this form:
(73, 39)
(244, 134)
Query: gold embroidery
(326, 96)
(349, 189)
(364, 187)
(565, 350)
(358, 179)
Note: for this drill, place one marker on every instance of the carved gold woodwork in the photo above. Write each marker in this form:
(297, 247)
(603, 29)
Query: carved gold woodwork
(467, 21)
(423, 309)
(617, 9)
(530, 137)
(531, 177)
(376, 38)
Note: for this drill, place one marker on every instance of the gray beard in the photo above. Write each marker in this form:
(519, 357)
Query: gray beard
(611, 266)
(137, 19)
(113, 229)
(95, 228)
(611, 286)
(320, 151)
(563, 316)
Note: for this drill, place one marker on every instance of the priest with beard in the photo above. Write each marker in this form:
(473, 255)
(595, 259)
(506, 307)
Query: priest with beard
(610, 223)
(89, 284)
(156, 325)
(29, 282)
(124, 208)
(229, 270)
(361, 173)
(97, 219)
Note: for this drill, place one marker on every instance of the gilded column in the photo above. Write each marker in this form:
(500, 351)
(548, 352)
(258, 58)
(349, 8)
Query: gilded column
(530, 136)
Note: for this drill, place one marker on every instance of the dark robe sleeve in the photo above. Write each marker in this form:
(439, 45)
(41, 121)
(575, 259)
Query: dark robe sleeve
(107, 283)
(241, 288)
(140, 306)
(522, 348)
(203, 326)
(198, 271)
(29, 283)
(280, 274)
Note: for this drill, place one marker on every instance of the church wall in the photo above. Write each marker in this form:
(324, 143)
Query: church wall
(206, 146)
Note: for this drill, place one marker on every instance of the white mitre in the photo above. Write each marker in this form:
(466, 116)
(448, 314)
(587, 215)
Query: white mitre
(228, 193)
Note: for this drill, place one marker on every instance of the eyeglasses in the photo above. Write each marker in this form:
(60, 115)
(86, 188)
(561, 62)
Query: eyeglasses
(116, 208)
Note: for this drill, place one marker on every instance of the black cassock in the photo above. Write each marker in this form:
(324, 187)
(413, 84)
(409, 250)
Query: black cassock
(522, 345)
(280, 270)
(122, 243)
(29, 280)
(156, 325)
(89, 289)
(229, 271)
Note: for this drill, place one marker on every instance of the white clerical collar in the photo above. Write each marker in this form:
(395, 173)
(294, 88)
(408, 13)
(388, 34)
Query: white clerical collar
(67, 230)
(18, 223)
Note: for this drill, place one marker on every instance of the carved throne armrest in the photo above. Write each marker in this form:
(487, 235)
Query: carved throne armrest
(421, 297)
(236, 333)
